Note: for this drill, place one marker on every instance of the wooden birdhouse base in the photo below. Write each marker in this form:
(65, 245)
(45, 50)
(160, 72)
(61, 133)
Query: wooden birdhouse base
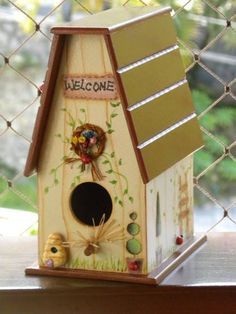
(178, 257)
(153, 278)
(89, 274)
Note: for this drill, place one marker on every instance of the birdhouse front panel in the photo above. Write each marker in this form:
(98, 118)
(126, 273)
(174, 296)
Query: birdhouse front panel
(97, 205)
(111, 146)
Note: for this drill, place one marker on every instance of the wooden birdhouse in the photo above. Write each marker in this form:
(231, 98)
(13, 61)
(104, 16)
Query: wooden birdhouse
(112, 148)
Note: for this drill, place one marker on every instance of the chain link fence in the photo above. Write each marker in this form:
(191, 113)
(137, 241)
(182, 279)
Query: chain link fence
(207, 39)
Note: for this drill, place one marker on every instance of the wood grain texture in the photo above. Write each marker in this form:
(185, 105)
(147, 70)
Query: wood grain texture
(206, 283)
(79, 57)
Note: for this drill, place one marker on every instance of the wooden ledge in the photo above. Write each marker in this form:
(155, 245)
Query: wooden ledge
(204, 283)
(89, 274)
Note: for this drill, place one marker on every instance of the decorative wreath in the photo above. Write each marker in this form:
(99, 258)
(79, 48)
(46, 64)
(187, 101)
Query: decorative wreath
(88, 142)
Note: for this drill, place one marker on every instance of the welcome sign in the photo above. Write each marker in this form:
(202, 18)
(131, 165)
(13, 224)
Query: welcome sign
(90, 87)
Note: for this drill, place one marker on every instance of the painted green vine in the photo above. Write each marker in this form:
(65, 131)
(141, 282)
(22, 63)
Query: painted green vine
(106, 160)
(112, 116)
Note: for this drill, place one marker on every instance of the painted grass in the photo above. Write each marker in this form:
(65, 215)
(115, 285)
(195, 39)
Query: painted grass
(111, 264)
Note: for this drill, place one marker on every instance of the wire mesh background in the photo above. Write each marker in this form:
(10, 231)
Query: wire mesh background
(25, 42)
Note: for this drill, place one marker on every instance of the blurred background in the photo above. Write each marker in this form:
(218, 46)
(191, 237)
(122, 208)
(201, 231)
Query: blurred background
(207, 39)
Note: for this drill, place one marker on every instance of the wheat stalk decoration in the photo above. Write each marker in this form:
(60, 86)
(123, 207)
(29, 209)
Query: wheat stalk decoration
(103, 233)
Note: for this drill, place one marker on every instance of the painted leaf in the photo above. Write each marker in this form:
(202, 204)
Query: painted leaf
(113, 104)
(72, 185)
(72, 124)
(105, 162)
(110, 131)
(113, 182)
(131, 199)
(109, 171)
(121, 203)
(64, 158)
(113, 115)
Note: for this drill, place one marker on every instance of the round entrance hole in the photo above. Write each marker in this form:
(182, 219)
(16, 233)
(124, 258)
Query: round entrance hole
(90, 202)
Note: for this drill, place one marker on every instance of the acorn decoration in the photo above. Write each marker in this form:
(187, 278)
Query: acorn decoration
(103, 233)
(91, 248)
(54, 254)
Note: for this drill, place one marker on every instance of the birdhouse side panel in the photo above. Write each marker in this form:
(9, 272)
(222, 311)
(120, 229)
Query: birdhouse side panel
(169, 212)
(87, 160)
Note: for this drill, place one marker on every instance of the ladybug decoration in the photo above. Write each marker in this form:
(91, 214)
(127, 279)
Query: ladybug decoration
(88, 143)
(179, 240)
(134, 265)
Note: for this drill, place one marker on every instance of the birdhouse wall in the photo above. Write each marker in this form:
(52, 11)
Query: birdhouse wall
(169, 211)
(60, 169)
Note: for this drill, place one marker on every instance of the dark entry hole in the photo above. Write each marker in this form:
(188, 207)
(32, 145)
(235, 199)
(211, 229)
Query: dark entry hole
(90, 201)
